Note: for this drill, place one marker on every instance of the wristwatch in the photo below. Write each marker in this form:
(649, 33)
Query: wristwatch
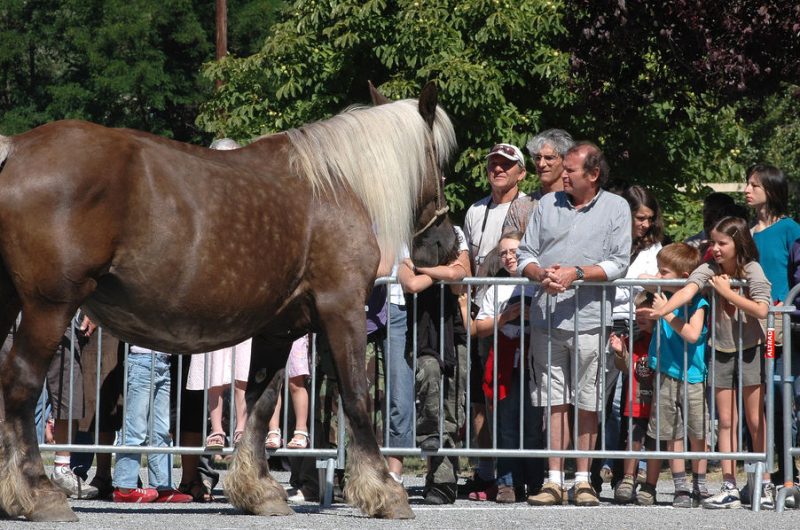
(579, 273)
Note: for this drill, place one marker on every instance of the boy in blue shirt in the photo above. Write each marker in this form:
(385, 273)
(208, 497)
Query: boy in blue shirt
(683, 329)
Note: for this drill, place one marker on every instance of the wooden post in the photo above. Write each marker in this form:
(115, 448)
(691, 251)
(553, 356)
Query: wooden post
(222, 32)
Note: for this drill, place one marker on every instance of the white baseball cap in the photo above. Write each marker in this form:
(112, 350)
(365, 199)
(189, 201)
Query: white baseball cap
(508, 151)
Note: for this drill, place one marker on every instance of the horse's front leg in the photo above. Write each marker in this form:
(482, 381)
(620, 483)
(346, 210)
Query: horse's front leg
(24, 488)
(249, 485)
(369, 485)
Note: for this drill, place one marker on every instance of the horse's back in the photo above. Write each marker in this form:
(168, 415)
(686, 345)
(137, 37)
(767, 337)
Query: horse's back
(197, 237)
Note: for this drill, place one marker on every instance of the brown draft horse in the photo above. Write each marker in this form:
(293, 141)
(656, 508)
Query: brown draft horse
(185, 249)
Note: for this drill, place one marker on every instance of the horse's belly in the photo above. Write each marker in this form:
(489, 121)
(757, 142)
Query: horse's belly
(175, 324)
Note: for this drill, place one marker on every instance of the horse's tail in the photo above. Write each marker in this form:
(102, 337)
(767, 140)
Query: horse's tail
(5, 149)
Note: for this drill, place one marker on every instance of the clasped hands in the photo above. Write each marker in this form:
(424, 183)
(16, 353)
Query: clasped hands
(557, 279)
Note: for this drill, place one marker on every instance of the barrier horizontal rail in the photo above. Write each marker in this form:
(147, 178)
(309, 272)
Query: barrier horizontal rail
(320, 453)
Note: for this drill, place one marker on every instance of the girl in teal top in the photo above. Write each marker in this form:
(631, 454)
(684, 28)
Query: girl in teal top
(767, 192)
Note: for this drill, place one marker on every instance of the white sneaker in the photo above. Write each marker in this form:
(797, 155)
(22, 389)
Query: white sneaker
(768, 496)
(728, 497)
(295, 495)
(790, 500)
(71, 484)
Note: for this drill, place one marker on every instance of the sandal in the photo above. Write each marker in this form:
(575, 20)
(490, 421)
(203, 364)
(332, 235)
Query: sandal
(215, 441)
(198, 491)
(273, 440)
(237, 437)
(299, 440)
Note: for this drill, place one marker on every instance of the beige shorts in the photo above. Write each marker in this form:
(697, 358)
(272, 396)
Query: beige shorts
(670, 395)
(556, 382)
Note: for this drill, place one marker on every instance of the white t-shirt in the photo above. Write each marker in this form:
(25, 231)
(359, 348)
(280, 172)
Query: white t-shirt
(396, 295)
(645, 263)
(462, 239)
(505, 293)
(482, 239)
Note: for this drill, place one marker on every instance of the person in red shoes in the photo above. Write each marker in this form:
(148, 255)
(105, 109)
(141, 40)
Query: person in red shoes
(148, 394)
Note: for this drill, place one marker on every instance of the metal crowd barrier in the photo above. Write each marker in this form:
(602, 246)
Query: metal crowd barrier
(330, 458)
(787, 383)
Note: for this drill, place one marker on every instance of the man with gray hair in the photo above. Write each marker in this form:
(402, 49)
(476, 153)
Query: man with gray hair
(580, 233)
(547, 150)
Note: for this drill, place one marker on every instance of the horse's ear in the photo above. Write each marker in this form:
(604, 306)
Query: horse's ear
(377, 97)
(427, 103)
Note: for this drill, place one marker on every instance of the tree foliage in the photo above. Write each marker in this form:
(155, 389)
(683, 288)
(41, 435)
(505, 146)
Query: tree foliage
(731, 48)
(676, 93)
(605, 71)
(131, 63)
(497, 70)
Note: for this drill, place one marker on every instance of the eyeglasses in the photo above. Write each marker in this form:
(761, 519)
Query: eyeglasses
(549, 159)
(509, 253)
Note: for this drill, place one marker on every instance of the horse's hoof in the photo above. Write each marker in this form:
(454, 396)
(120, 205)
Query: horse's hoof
(400, 511)
(52, 512)
(274, 508)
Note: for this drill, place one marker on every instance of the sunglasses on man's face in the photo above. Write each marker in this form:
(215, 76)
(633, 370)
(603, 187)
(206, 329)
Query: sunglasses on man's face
(503, 149)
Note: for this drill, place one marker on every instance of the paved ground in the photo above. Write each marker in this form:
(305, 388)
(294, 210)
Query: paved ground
(464, 514)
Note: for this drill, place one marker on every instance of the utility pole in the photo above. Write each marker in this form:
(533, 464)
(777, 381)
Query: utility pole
(222, 32)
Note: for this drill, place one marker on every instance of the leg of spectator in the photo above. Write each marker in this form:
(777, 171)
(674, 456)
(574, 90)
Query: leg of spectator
(560, 435)
(728, 424)
(587, 436)
(400, 373)
(297, 389)
(126, 470)
(753, 403)
(159, 464)
(240, 387)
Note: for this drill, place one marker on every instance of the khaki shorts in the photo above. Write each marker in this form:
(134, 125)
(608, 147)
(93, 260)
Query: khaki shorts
(726, 368)
(557, 385)
(670, 395)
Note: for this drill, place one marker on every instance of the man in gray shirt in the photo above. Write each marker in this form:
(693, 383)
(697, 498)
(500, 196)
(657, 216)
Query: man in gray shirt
(580, 233)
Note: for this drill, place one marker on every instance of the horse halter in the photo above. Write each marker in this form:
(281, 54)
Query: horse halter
(441, 209)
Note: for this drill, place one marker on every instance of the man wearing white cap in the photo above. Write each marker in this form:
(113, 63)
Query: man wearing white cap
(483, 226)
(483, 223)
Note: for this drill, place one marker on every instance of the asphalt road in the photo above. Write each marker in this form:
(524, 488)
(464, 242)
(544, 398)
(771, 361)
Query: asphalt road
(462, 515)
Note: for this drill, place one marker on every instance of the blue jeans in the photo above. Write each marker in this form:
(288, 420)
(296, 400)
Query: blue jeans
(613, 423)
(519, 471)
(137, 411)
(400, 373)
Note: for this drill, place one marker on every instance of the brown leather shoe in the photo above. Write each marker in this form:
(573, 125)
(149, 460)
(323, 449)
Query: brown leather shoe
(505, 494)
(551, 494)
(585, 495)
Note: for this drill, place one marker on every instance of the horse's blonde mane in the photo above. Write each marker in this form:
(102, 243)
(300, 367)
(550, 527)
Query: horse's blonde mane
(380, 153)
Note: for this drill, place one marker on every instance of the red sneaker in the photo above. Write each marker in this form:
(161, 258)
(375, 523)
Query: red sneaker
(172, 495)
(136, 495)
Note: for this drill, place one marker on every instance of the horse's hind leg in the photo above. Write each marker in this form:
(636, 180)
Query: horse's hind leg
(24, 488)
(248, 484)
(369, 485)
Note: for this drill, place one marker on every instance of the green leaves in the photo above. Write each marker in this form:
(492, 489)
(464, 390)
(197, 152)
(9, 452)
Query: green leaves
(131, 63)
(495, 64)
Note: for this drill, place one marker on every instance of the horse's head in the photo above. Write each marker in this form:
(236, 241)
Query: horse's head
(434, 239)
